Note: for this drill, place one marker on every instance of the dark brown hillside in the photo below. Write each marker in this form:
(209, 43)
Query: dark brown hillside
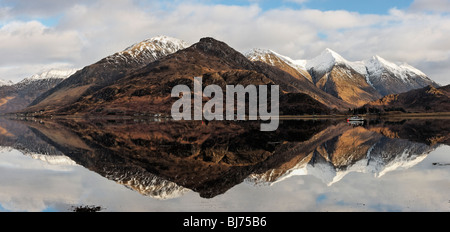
(17, 97)
(428, 99)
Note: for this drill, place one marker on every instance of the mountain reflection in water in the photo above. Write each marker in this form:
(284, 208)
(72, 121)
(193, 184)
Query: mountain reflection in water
(166, 159)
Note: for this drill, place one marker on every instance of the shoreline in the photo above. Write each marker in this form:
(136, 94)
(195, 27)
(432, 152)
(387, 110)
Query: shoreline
(438, 115)
(441, 115)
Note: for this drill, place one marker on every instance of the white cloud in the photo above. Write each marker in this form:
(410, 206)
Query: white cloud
(27, 47)
(32, 42)
(431, 5)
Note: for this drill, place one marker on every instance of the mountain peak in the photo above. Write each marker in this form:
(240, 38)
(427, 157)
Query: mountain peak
(331, 52)
(258, 54)
(158, 40)
(380, 60)
(325, 61)
(328, 53)
(377, 57)
(258, 51)
(377, 65)
(221, 50)
(270, 57)
(210, 44)
(208, 40)
(6, 83)
(51, 74)
(161, 43)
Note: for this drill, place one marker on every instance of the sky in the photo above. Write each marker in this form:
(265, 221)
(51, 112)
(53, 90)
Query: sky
(39, 35)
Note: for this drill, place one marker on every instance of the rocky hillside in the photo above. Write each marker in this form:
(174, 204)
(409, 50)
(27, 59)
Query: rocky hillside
(428, 99)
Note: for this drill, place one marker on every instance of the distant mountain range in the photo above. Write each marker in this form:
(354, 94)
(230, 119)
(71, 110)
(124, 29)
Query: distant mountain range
(355, 83)
(138, 80)
(5, 83)
(15, 97)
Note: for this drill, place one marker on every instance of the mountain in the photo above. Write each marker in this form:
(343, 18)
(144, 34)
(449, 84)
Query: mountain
(139, 79)
(294, 67)
(105, 72)
(356, 83)
(6, 83)
(389, 78)
(428, 99)
(52, 74)
(147, 90)
(338, 77)
(298, 77)
(18, 96)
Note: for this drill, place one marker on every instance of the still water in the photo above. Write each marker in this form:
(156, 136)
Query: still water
(153, 165)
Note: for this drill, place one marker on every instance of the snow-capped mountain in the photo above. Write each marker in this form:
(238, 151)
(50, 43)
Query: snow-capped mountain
(147, 50)
(18, 96)
(50, 78)
(275, 59)
(302, 80)
(390, 78)
(51, 74)
(154, 47)
(341, 78)
(6, 83)
(107, 71)
(355, 82)
(325, 61)
(329, 73)
(384, 76)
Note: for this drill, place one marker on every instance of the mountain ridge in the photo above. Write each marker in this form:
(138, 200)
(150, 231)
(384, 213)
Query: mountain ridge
(357, 82)
(17, 96)
(329, 78)
(105, 72)
(428, 99)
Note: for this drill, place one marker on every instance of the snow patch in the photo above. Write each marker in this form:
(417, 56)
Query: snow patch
(325, 61)
(376, 66)
(152, 47)
(51, 74)
(53, 159)
(6, 83)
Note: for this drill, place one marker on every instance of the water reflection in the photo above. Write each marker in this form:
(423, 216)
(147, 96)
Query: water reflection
(165, 160)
